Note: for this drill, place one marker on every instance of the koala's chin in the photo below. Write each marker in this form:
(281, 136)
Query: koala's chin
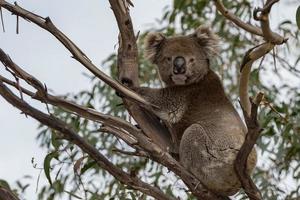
(179, 79)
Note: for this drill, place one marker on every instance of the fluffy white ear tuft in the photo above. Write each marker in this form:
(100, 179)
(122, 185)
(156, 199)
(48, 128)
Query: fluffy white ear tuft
(153, 43)
(208, 40)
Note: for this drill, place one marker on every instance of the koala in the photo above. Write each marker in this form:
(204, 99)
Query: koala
(207, 128)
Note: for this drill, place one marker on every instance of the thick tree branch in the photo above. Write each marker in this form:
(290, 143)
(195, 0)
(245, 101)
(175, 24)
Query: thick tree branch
(240, 166)
(77, 54)
(74, 138)
(128, 74)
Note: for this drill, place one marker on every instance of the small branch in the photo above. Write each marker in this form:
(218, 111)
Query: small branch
(2, 21)
(240, 165)
(77, 54)
(74, 138)
(262, 15)
(251, 56)
(237, 21)
(130, 153)
(129, 139)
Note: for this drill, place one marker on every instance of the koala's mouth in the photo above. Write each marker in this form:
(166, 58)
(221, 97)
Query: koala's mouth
(179, 79)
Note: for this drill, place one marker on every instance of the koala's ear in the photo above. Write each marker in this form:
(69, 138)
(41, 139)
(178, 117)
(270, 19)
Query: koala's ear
(208, 40)
(153, 43)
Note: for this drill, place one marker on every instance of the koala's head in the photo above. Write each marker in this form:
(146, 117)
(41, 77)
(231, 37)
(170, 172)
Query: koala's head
(182, 60)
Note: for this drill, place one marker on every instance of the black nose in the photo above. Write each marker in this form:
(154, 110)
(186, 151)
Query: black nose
(179, 65)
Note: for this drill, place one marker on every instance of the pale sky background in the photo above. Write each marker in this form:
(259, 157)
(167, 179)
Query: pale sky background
(91, 25)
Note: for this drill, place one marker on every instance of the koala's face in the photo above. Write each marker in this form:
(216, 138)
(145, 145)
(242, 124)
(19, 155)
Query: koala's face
(182, 60)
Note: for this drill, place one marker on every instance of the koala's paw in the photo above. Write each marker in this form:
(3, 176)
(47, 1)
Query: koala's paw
(126, 81)
(119, 94)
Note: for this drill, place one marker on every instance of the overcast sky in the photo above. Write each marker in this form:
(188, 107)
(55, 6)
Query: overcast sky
(91, 25)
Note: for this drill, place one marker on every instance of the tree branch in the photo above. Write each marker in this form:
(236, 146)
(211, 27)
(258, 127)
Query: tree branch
(250, 57)
(257, 52)
(6, 194)
(237, 21)
(262, 15)
(240, 165)
(77, 54)
(128, 74)
(74, 138)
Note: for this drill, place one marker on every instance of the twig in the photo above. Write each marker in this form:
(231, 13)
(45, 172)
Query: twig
(262, 15)
(129, 139)
(269, 104)
(130, 153)
(2, 21)
(237, 21)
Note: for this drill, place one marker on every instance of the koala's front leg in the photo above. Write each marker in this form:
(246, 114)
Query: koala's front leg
(167, 105)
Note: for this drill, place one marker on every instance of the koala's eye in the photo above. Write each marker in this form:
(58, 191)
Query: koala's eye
(169, 59)
(192, 60)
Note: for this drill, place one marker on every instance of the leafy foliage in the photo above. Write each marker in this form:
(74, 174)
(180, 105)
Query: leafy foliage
(75, 175)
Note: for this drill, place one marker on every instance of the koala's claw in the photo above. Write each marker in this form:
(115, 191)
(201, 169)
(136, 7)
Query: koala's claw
(119, 94)
(126, 81)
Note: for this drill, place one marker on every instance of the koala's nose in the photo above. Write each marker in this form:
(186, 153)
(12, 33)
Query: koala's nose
(179, 65)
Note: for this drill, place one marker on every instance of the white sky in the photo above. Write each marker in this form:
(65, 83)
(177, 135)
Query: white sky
(91, 25)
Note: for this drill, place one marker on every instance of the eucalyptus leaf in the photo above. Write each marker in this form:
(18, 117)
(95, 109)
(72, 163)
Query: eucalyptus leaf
(298, 17)
(47, 164)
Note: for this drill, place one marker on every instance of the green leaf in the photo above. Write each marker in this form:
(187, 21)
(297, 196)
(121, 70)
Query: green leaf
(47, 166)
(298, 17)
